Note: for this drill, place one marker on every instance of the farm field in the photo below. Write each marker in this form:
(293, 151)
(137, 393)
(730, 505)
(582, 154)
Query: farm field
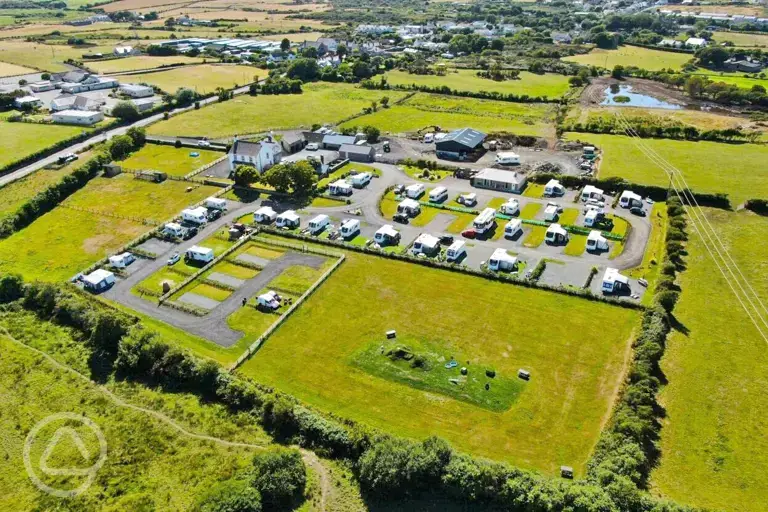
(714, 439)
(741, 39)
(549, 85)
(204, 78)
(168, 159)
(736, 169)
(450, 112)
(576, 365)
(255, 114)
(19, 140)
(46, 57)
(652, 60)
(140, 62)
(7, 69)
(42, 29)
(298, 37)
(734, 78)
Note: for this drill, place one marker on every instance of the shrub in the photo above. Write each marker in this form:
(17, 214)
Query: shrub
(11, 288)
(667, 299)
(280, 477)
(230, 496)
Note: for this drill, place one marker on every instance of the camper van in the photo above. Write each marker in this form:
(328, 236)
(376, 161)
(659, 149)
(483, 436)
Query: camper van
(507, 158)
(485, 221)
(350, 228)
(556, 235)
(438, 194)
(591, 192)
(269, 300)
(264, 215)
(387, 235)
(596, 241)
(550, 213)
(554, 188)
(197, 215)
(613, 282)
(629, 199)
(318, 224)
(426, 244)
(511, 207)
(122, 260)
(456, 251)
(513, 228)
(409, 207)
(501, 260)
(199, 254)
(415, 191)
(173, 229)
(288, 219)
(360, 180)
(594, 217)
(216, 203)
(429, 138)
(468, 200)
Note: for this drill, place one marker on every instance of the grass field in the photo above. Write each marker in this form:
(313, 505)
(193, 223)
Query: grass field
(7, 69)
(45, 57)
(204, 78)
(741, 39)
(576, 365)
(549, 85)
(645, 58)
(738, 170)
(319, 103)
(140, 62)
(19, 140)
(714, 441)
(451, 112)
(168, 159)
(733, 78)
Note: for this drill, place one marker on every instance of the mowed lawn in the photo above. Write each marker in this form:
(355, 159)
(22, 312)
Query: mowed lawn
(576, 365)
(141, 62)
(652, 60)
(19, 140)
(60, 243)
(450, 112)
(714, 440)
(319, 103)
(169, 159)
(738, 170)
(741, 39)
(204, 78)
(532, 84)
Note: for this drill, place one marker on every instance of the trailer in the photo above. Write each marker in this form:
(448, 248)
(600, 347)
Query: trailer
(361, 179)
(318, 224)
(122, 260)
(350, 228)
(173, 229)
(456, 251)
(415, 191)
(507, 158)
(216, 203)
(387, 235)
(197, 215)
(501, 260)
(264, 215)
(511, 207)
(438, 195)
(513, 228)
(288, 219)
(556, 235)
(199, 254)
(596, 242)
(340, 188)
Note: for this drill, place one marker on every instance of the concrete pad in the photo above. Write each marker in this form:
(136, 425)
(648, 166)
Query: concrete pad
(565, 274)
(440, 222)
(156, 246)
(253, 260)
(226, 279)
(198, 301)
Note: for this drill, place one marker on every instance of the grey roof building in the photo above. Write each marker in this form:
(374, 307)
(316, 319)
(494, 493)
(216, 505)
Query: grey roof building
(460, 142)
(357, 153)
(336, 141)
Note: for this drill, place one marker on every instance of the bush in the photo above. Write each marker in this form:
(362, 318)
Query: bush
(667, 299)
(11, 288)
(230, 496)
(280, 477)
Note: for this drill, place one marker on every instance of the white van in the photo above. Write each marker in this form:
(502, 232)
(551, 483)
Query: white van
(350, 228)
(507, 158)
(318, 224)
(438, 195)
(429, 138)
(415, 191)
(550, 213)
(485, 221)
(512, 228)
(360, 180)
(456, 251)
(511, 207)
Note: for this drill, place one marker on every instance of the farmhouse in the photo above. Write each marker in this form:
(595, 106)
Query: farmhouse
(261, 155)
(355, 153)
(613, 282)
(98, 280)
(695, 42)
(264, 215)
(502, 260)
(426, 244)
(387, 235)
(409, 207)
(499, 179)
(77, 117)
(137, 91)
(556, 234)
(458, 144)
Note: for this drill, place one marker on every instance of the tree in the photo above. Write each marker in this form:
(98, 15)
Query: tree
(230, 496)
(618, 72)
(385, 101)
(245, 175)
(138, 135)
(107, 331)
(184, 97)
(371, 133)
(497, 44)
(303, 69)
(285, 44)
(120, 147)
(714, 56)
(298, 177)
(11, 288)
(667, 299)
(342, 51)
(279, 476)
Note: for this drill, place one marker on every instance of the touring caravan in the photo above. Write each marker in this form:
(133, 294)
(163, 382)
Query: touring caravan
(613, 282)
(596, 242)
(591, 192)
(173, 229)
(387, 235)
(415, 191)
(456, 251)
(264, 215)
(350, 228)
(556, 235)
(438, 194)
(554, 188)
(216, 203)
(360, 180)
(197, 215)
(269, 300)
(507, 158)
(318, 224)
(426, 244)
(288, 219)
(485, 221)
(199, 254)
(122, 260)
(629, 199)
(550, 213)
(409, 207)
(340, 188)
(511, 207)
(513, 228)
(502, 260)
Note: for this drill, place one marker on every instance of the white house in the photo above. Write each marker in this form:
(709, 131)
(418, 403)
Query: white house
(512, 228)
(288, 219)
(499, 179)
(198, 253)
(426, 244)
(695, 42)
(261, 155)
(122, 260)
(28, 102)
(264, 215)
(502, 260)
(613, 282)
(340, 188)
(596, 241)
(409, 207)
(197, 215)
(387, 235)
(556, 234)
(349, 228)
(136, 91)
(456, 251)
(90, 83)
(318, 223)
(553, 188)
(591, 192)
(629, 199)
(75, 102)
(98, 280)
(78, 117)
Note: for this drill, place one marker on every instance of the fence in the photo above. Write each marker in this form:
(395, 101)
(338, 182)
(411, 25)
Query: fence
(139, 220)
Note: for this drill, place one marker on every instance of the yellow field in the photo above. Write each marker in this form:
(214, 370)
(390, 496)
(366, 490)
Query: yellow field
(45, 57)
(295, 38)
(203, 79)
(141, 63)
(34, 29)
(7, 69)
(652, 60)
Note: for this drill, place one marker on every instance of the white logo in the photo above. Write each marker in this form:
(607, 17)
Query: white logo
(70, 434)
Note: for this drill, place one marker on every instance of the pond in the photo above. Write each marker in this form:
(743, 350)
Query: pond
(624, 97)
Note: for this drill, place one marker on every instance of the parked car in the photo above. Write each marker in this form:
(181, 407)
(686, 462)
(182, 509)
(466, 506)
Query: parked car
(313, 146)
(203, 143)
(469, 233)
(69, 157)
(385, 146)
(636, 210)
(174, 259)
(559, 208)
(214, 214)
(402, 218)
(189, 233)
(446, 239)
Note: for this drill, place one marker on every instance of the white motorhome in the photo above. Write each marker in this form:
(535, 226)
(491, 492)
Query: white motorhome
(197, 215)
(340, 188)
(550, 213)
(593, 217)
(426, 244)
(511, 207)
(387, 235)
(269, 300)
(554, 188)
(349, 228)
(591, 192)
(556, 235)
(173, 229)
(264, 215)
(485, 221)
(288, 219)
(409, 207)
(613, 282)
(513, 228)
(467, 199)
(456, 251)
(629, 199)
(216, 203)
(502, 260)
(122, 260)
(596, 241)
(429, 138)
(318, 224)
(361, 179)
(507, 158)
(438, 194)
(199, 254)
(415, 191)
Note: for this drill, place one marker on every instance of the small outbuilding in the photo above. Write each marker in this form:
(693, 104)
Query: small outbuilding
(78, 117)
(355, 153)
(137, 91)
(458, 144)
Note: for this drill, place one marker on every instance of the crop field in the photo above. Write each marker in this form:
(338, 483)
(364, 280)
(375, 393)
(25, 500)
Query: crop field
(168, 159)
(554, 419)
(714, 440)
(549, 85)
(255, 114)
(204, 78)
(47, 57)
(7, 69)
(645, 58)
(19, 140)
(42, 29)
(736, 169)
(140, 62)
(451, 112)
(741, 39)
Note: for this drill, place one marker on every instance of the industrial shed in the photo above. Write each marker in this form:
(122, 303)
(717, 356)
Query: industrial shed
(459, 144)
(355, 153)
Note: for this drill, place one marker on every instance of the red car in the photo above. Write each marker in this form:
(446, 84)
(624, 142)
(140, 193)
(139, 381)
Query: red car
(469, 233)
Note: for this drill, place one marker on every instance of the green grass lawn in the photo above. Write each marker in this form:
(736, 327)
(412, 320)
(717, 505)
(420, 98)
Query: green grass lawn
(427, 215)
(462, 222)
(450, 112)
(534, 190)
(654, 250)
(260, 250)
(19, 140)
(738, 78)
(431, 175)
(530, 210)
(168, 159)
(327, 202)
(736, 169)
(140, 63)
(741, 39)
(46, 57)
(204, 78)
(652, 60)
(569, 216)
(535, 237)
(714, 440)
(319, 103)
(7, 69)
(576, 365)
(576, 245)
(550, 85)
(152, 287)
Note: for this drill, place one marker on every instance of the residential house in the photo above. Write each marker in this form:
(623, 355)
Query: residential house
(75, 102)
(78, 117)
(137, 91)
(261, 155)
(499, 179)
(43, 86)
(695, 42)
(124, 51)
